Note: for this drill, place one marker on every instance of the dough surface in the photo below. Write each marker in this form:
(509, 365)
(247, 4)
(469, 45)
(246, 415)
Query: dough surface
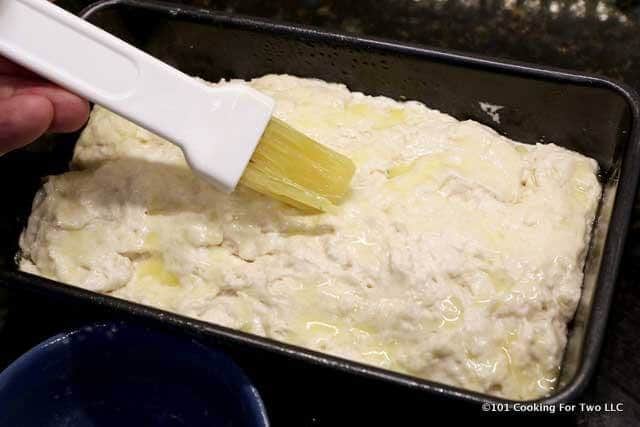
(457, 257)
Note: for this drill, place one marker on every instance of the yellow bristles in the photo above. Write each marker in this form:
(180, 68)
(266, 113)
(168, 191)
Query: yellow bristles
(293, 168)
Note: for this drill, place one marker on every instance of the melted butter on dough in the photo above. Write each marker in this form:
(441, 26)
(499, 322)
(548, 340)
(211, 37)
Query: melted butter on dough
(457, 257)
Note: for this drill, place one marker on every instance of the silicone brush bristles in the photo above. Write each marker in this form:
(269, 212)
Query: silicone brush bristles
(291, 167)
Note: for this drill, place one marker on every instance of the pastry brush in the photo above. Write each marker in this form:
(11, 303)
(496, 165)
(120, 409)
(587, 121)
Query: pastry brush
(226, 133)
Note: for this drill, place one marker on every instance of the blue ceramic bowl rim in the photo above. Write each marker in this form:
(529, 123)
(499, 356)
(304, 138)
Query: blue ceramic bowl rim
(249, 394)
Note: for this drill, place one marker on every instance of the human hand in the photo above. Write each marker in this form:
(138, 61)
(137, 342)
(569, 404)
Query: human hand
(31, 106)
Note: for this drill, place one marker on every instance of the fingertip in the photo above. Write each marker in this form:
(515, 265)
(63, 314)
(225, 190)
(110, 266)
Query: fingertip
(70, 111)
(23, 118)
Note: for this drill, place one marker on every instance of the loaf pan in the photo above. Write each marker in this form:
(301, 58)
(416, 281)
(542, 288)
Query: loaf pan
(588, 114)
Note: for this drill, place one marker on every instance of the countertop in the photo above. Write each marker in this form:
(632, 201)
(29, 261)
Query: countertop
(601, 37)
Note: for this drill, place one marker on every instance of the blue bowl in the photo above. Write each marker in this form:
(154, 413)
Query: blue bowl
(119, 375)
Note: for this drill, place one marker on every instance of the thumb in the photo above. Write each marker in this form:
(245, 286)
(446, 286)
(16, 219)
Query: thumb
(23, 118)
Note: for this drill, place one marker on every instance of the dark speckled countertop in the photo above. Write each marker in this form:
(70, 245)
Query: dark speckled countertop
(596, 36)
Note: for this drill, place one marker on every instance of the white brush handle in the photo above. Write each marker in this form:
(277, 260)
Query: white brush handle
(218, 128)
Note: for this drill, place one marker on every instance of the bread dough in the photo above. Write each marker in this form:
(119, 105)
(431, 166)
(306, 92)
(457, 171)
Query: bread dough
(457, 257)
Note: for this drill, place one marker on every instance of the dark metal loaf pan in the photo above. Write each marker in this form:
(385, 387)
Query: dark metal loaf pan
(590, 115)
